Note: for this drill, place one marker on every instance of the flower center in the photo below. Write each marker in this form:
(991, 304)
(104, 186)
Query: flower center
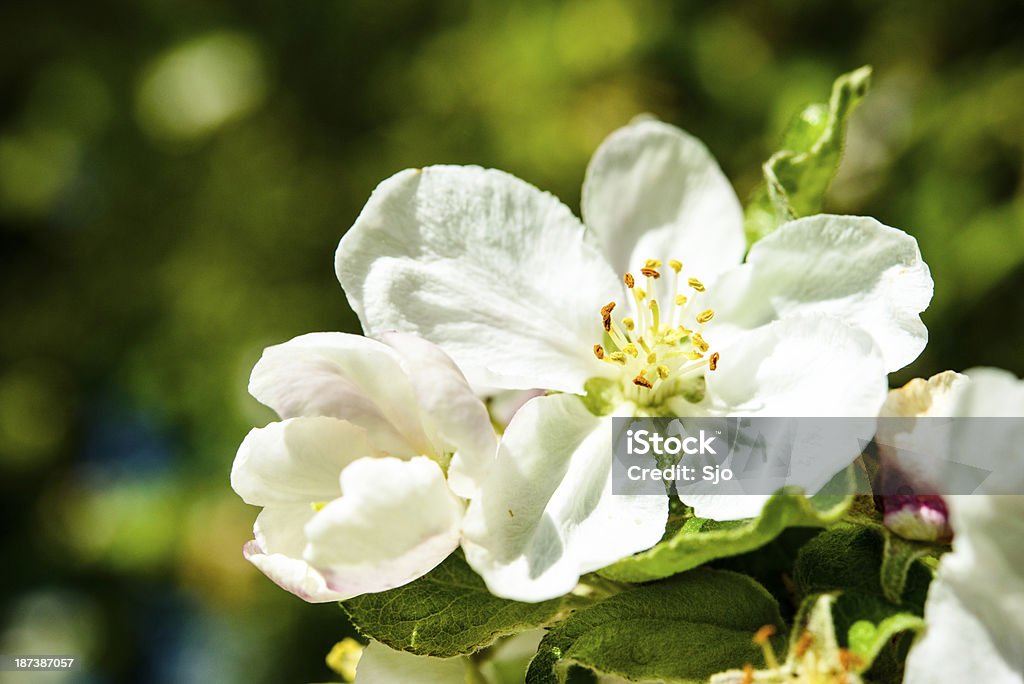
(660, 348)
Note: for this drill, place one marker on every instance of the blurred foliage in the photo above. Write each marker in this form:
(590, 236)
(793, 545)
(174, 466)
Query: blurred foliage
(174, 178)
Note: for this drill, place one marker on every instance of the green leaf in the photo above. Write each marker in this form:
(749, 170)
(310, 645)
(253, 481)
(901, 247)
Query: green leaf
(866, 639)
(848, 560)
(798, 175)
(445, 613)
(680, 630)
(699, 540)
(898, 557)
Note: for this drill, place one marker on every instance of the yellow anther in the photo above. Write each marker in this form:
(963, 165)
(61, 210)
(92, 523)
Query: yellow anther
(805, 642)
(641, 381)
(850, 661)
(318, 506)
(699, 342)
(662, 372)
(676, 266)
(606, 315)
(650, 273)
(631, 350)
(598, 351)
(705, 315)
(629, 280)
(713, 361)
(762, 635)
(617, 357)
(763, 639)
(695, 284)
(652, 358)
(693, 356)
(639, 293)
(628, 322)
(684, 331)
(680, 300)
(652, 263)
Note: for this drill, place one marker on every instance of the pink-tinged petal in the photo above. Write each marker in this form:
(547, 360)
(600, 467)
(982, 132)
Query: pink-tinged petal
(395, 521)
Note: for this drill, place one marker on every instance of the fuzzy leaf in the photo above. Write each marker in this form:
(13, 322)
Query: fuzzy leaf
(867, 639)
(445, 613)
(680, 630)
(848, 560)
(898, 557)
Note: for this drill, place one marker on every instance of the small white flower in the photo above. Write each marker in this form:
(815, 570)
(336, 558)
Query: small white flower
(650, 304)
(975, 606)
(364, 482)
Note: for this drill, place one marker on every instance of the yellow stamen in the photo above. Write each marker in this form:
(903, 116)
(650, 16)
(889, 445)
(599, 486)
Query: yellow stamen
(680, 300)
(652, 358)
(699, 342)
(676, 266)
(598, 351)
(650, 273)
(628, 322)
(695, 284)
(631, 350)
(713, 361)
(663, 372)
(705, 315)
(762, 638)
(652, 263)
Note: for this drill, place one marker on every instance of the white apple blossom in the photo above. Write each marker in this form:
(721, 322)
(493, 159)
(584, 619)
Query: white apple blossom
(648, 308)
(974, 612)
(364, 482)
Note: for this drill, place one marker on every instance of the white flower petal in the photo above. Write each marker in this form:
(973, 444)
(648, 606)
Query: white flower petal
(854, 268)
(296, 461)
(991, 392)
(546, 515)
(344, 376)
(797, 367)
(653, 191)
(497, 273)
(382, 665)
(800, 366)
(395, 521)
(975, 606)
(277, 553)
(451, 411)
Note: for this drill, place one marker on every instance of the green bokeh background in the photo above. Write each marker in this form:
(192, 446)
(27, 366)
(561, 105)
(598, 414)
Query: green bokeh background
(175, 176)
